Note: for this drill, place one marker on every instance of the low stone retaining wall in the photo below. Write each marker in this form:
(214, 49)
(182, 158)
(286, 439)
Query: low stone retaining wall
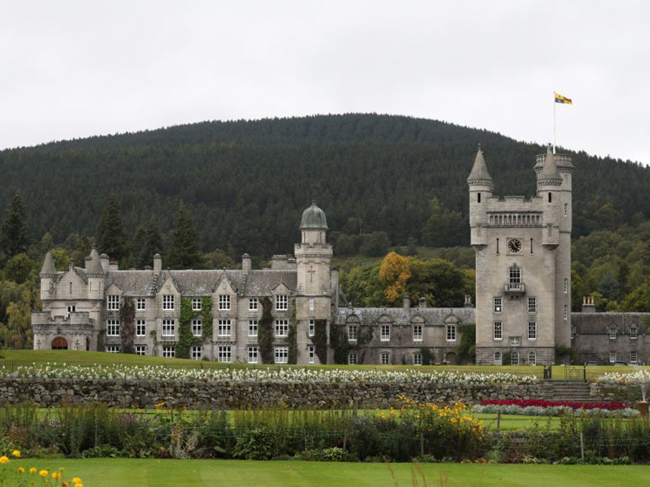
(238, 395)
(616, 392)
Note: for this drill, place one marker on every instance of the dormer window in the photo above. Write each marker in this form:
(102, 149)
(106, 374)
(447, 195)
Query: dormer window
(112, 302)
(281, 302)
(612, 333)
(168, 302)
(634, 332)
(224, 302)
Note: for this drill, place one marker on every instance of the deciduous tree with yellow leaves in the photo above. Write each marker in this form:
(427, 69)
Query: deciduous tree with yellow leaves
(394, 274)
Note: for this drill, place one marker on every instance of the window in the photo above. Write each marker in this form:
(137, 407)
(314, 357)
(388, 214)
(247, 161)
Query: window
(532, 305)
(311, 352)
(168, 301)
(550, 197)
(573, 333)
(224, 354)
(169, 351)
(532, 358)
(352, 333)
(353, 358)
(113, 328)
(417, 333)
(385, 333)
(566, 312)
(498, 305)
(417, 358)
(514, 358)
(224, 302)
(71, 309)
(196, 304)
(281, 328)
(478, 197)
(141, 350)
(531, 247)
(385, 358)
(612, 357)
(451, 333)
(197, 327)
(634, 332)
(312, 304)
(140, 328)
(223, 328)
(281, 355)
(532, 330)
(498, 330)
(515, 275)
(112, 302)
(633, 357)
(168, 328)
(612, 333)
(140, 304)
(253, 354)
(282, 302)
(113, 348)
(497, 358)
(252, 304)
(566, 209)
(566, 285)
(252, 328)
(196, 352)
(312, 327)
(497, 246)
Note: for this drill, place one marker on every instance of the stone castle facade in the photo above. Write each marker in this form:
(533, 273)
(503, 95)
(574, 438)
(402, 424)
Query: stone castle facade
(294, 311)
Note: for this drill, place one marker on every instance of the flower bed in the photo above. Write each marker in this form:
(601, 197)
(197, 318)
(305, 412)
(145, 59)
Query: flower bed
(538, 407)
(630, 378)
(550, 404)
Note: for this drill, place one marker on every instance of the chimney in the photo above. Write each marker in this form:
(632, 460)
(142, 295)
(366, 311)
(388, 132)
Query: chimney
(105, 261)
(407, 303)
(246, 263)
(157, 263)
(423, 302)
(588, 305)
(113, 266)
(279, 263)
(468, 301)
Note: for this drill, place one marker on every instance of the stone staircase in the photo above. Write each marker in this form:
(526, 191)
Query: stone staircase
(565, 390)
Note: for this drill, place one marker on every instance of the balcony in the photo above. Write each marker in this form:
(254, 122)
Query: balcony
(515, 288)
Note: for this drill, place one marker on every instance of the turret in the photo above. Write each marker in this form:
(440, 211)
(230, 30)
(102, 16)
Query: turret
(48, 277)
(313, 254)
(480, 190)
(95, 272)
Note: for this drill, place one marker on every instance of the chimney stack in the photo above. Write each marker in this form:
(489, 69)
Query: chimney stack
(157, 263)
(588, 305)
(407, 303)
(423, 302)
(246, 263)
(468, 301)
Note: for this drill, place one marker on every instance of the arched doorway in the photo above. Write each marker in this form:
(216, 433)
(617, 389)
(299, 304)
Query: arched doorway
(451, 358)
(59, 343)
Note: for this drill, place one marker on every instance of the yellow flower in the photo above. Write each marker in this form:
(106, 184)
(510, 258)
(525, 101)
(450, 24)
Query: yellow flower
(76, 480)
(32, 470)
(15, 453)
(56, 475)
(78, 485)
(4, 459)
(21, 470)
(44, 473)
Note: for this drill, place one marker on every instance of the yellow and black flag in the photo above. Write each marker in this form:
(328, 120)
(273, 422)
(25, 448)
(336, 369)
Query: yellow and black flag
(562, 99)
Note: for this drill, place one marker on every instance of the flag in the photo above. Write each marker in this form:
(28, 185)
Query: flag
(562, 99)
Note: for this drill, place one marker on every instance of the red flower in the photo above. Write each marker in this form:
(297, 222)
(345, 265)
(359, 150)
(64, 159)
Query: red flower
(549, 404)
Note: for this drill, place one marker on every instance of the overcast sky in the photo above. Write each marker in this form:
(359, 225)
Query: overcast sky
(71, 69)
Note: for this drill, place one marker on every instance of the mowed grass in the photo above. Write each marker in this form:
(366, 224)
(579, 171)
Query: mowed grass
(14, 358)
(240, 473)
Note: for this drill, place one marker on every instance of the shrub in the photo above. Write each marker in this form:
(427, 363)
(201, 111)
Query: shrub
(255, 444)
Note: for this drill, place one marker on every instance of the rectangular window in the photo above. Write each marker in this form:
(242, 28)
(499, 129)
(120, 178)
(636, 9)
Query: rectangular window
(113, 328)
(532, 305)
(385, 358)
(311, 304)
(532, 330)
(252, 328)
(566, 285)
(282, 302)
(612, 333)
(312, 327)
(71, 309)
(168, 301)
(169, 351)
(224, 354)
(224, 302)
(352, 333)
(252, 304)
(498, 305)
(197, 327)
(612, 357)
(140, 328)
(112, 302)
(196, 352)
(497, 246)
(113, 348)
(515, 275)
(141, 304)
(196, 304)
(281, 328)
(573, 333)
(168, 328)
(311, 352)
(566, 312)
(253, 354)
(417, 358)
(566, 209)
(514, 358)
(634, 333)
(281, 355)
(223, 328)
(417, 333)
(353, 358)
(498, 330)
(531, 246)
(633, 357)
(141, 350)
(451, 333)
(385, 333)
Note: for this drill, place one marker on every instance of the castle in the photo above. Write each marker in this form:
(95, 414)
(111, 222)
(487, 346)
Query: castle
(294, 311)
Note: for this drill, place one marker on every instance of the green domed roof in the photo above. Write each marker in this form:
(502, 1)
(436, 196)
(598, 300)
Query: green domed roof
(313, 218)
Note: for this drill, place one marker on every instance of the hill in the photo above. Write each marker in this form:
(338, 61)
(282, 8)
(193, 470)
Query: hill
(246, 182)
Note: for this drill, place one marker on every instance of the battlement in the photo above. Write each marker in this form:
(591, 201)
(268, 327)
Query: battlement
(77, 318)
(561, 161)
(515, 219)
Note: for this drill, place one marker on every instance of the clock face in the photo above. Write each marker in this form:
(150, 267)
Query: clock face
(514, 246)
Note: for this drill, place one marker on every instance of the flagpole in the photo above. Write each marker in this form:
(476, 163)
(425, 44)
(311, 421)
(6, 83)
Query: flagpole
(554, 125)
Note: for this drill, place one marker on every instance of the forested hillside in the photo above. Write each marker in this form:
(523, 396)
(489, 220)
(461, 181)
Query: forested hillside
(246, 182)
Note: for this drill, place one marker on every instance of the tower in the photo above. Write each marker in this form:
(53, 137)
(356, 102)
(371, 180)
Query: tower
(523, 265)
(95, 273)
(48, 277)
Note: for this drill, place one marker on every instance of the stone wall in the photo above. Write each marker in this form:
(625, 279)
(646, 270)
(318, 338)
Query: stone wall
(616, 392)
(235, 395)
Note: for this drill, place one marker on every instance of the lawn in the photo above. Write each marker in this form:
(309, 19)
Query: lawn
(239, 473)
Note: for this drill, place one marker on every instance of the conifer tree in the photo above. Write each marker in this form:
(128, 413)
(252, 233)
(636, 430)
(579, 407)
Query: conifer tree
(147, 242)
(13, 233)
(111, 236)
(185, 249)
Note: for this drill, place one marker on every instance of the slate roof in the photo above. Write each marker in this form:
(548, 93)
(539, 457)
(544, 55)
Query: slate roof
(48, 264)
(600, 323)
(132, 283)
(398, 316)
(262, 282)
(479, 169)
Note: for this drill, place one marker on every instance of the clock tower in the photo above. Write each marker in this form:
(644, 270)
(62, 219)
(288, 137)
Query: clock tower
(523, 265)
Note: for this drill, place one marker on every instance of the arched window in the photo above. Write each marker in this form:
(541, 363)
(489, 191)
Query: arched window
(532, 358)
(514, 358)
(634, 332)
(497, 358)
